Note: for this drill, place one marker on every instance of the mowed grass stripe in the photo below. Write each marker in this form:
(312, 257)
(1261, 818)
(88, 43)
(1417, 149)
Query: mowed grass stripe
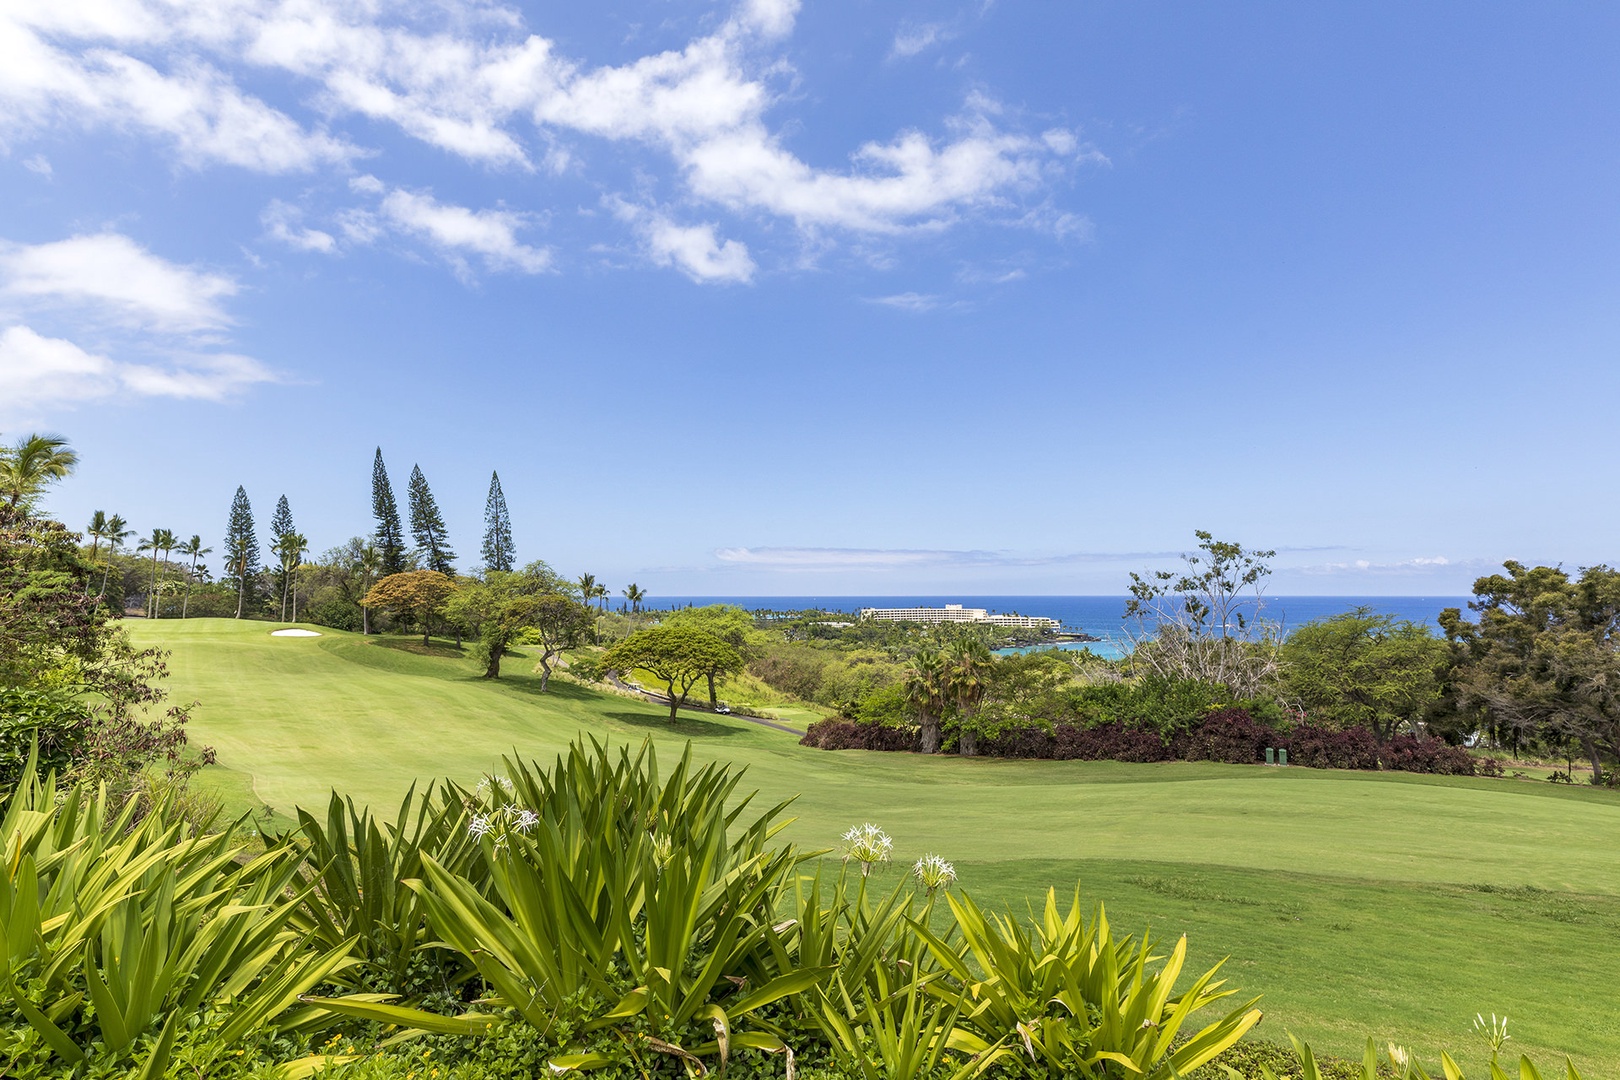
(1356, 902)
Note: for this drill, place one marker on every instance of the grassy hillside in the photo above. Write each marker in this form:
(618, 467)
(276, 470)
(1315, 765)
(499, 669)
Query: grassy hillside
(1391, 904)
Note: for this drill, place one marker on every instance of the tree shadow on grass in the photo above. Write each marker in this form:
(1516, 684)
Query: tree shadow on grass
(687, 725)
(414, 645)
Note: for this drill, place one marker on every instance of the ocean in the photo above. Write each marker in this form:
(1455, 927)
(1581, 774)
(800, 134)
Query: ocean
(1099, 616)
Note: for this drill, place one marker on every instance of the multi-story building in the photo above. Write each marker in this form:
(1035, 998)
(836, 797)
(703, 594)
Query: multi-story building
(956, 613)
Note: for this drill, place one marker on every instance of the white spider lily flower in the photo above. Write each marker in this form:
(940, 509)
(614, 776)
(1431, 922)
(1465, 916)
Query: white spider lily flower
(526, 820)
(933, 872)
(868, 845)
(479, 827)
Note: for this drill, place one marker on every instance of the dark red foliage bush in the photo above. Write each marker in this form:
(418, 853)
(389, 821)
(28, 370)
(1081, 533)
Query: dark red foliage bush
(1410, 753)
(1229, 735)
(838, 733)
(1108, 742)
(1318, 747)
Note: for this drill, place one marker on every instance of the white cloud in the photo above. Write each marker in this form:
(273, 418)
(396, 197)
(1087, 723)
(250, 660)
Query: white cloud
(913, 39)
(467, 77)
(908, 301)
(881, 559)
(283, 222)
(38, 164)
(1420, 564)
(208, 118)
(454, 230)
(112, 275)
(44, 372)
(694, 249)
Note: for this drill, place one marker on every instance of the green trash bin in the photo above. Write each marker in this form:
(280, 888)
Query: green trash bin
(1282, 756)
(1271, 755)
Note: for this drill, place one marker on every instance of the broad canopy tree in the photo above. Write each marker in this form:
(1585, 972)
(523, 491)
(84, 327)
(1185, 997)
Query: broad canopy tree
(416, 594)
(728, 622)
(1545, 654)
(1364, 668)
(504, 605)
(678, 656)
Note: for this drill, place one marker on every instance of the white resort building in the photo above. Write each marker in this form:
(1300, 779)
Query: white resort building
(956, 613)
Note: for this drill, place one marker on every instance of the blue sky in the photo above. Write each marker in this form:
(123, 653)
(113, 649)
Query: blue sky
(847, 297)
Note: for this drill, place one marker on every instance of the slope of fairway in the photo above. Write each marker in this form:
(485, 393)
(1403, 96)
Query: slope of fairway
(1355, 902)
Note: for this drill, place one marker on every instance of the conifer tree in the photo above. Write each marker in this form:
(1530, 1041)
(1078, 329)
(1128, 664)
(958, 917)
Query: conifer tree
(241, 549)
(498, 547)
(390, 535)
(281, 526)
(427, 526)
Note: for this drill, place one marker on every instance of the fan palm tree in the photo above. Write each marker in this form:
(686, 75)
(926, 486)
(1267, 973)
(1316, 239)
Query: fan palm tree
(967, 677)
(194, 548)
(635, 594)
(925, 692)
(369, 562)
(32, 465)
(117, 532)
(97, 531)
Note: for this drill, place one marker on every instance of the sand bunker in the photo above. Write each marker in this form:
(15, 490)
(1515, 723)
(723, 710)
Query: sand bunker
(295, 633)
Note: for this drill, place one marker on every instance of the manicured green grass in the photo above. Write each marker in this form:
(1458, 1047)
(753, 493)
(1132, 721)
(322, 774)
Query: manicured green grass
(1357, 903)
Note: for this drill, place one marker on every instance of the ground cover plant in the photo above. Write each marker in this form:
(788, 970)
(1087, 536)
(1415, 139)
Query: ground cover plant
(602, 914)
(1314, 883)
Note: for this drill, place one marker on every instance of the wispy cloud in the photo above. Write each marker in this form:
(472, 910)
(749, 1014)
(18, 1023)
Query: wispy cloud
(1420, 564)
(886, 559)
(454, 232)
(474, 81)
(112, 276)
(914, 38)
(908, 301)
(39, 372)
(696, 250)
(160, 326)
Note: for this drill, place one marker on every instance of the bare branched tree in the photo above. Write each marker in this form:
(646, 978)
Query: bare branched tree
(1205, 622)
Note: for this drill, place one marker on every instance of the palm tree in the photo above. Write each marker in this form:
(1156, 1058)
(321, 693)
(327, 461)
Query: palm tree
(635, 594)
(290, 550)
(602, 593)
(194, 548)
(587, 587)
(925, 692)
(170, 542)
(117, 533)
(241, 553)
(97, 531)
(161, 540)
(967, 677)
(32, 465)
(369, 562)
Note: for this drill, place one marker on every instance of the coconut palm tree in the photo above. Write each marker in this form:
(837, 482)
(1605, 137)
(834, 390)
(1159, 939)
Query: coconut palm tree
(587, 587)
(161, 540)
(635, 594)
(241, 555)
(117, 532)
(32, 465)
(97, 531)
(369, 562)
(290, 550)
(194, 548)
(170, 542)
